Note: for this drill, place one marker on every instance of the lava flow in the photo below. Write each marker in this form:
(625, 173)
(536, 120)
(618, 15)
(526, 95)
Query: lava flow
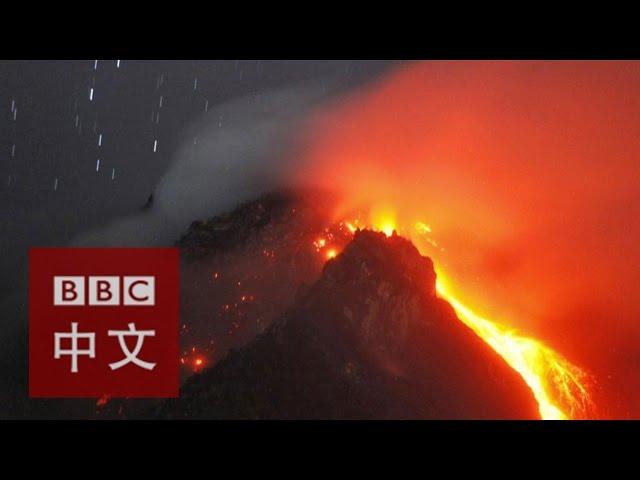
(559, 387)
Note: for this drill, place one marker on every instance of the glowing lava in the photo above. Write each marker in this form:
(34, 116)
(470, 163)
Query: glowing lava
(557, 385)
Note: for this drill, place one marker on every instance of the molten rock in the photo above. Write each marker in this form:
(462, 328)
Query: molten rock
(369, 340)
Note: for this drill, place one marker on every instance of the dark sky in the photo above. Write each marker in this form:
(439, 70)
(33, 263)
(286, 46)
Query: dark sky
(51, 185)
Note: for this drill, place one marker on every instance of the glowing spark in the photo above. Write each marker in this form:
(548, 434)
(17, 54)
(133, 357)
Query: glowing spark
(422, 228)
(351, 227)
(331, 253)
(320, 243)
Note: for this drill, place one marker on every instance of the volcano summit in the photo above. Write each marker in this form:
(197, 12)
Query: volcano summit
(370, 339)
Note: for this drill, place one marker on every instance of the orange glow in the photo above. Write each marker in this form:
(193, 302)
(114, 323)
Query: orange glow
(520, 180)
(387, 228)
(384, 219)
(422, 227)
(193, 360)
(352, 228)
(331, 253)
(198, 364)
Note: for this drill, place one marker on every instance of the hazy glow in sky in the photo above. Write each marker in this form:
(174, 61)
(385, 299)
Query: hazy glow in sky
(528, 175)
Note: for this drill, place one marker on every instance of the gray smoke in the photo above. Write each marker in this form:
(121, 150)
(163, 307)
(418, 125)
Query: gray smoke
(237, 152)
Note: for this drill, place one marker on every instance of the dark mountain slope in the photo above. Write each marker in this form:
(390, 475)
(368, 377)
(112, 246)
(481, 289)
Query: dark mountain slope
(370, 339)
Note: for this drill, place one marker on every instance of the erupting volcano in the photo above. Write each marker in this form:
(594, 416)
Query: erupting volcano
(516, 182)
(372, 312)
(368, 339)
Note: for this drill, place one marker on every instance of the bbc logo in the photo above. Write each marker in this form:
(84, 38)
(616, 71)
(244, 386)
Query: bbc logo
(104, 321)
(103, 291)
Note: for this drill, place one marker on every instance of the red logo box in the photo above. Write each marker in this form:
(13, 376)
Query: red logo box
(103, 321)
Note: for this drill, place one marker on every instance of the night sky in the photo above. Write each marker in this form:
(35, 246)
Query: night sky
(86, 141)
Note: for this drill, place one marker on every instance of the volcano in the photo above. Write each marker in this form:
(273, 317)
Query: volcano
(369, 338)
